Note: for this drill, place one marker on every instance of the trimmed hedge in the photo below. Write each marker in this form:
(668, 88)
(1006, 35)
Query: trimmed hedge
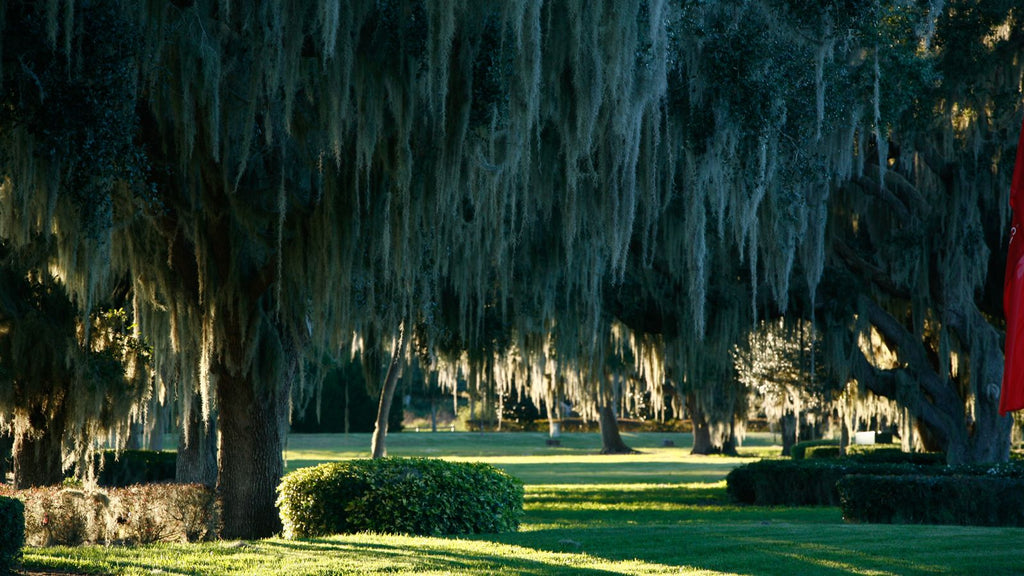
(825, 451)
(958, 499)
(813, 482)
(142, 514)
(399, 495)
(799, 450)
(798, 482)
(12, 533)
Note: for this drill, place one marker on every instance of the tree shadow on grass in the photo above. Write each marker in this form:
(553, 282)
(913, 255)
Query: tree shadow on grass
(443, 558)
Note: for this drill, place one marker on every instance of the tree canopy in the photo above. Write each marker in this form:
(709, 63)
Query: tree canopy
(527, 188)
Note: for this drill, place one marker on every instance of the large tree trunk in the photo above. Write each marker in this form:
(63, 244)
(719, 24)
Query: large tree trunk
(936, 402)
(611, 440)
(197, 454)
(251, 417)
(387, 394)
(37, 451)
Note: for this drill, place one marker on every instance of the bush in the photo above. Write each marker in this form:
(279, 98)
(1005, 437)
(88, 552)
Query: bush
(883, 454)
(825, 451)
(798, 451)
(134, 515)
(12, 533)
(135, 467)
(957, 499)
(813, 482)
(399, 495)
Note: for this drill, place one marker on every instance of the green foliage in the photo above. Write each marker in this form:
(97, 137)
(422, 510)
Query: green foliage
(958, 499)
(399, 495)
(813, 482)
(12, 533)
(135, 467)
(886, 454)
(800, 482)
(827, 451)
(140, 514)
(799, 450)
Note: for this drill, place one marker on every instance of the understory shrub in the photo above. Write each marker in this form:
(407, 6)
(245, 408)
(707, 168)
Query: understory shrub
(399, 495)
(813, 482)
(956, 499)
(140, 514)
(12, 533)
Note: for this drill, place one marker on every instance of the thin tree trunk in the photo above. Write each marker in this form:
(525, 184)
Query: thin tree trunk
(554, 417)
(387, 393)
(249, 458)
(788, 424)
(611, 440)
(197, 456)
(6, 452)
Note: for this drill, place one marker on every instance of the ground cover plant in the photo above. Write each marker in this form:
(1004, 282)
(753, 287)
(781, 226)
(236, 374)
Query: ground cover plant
(633, 516)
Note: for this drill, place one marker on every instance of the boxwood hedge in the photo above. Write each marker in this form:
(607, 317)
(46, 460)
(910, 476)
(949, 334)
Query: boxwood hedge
(956, 499)
(813, 482)
(399, 495)
(12, 533)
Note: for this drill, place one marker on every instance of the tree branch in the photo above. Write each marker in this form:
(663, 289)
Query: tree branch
(865, 269)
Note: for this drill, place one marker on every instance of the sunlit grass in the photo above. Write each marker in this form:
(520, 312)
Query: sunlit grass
(656, 513)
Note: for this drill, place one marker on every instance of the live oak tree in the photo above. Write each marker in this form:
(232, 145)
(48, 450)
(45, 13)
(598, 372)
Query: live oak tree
(323, 170)
(316, 172)
(69, 371)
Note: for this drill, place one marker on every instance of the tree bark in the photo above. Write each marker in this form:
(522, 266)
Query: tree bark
(554, 416)
(935, 402)
(249, 459)
(387, 394)
(37, 452)
(701, 432)
(6, 452)
(788, 423)
(611, 440)
(197, 457)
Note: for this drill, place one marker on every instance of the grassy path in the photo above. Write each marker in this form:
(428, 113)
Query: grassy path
(659, 512)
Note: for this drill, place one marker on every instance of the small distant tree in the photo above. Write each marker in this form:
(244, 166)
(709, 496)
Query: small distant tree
(784, 373)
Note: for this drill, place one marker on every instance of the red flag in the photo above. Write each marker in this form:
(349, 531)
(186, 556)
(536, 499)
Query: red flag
(1012, 396)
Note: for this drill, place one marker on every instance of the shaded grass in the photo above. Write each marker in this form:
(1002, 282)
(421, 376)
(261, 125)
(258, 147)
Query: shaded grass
(660, 512)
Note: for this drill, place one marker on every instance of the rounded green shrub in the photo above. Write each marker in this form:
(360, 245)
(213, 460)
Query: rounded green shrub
(12, 533)
(399, 495)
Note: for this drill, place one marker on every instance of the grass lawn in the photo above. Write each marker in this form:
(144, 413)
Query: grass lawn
(658, 512)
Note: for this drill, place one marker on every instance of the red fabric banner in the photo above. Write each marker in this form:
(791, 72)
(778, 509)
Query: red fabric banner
(1012, 396)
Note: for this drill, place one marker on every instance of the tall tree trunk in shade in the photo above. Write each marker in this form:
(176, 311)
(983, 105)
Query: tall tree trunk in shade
(611, 440)
(37, 452)
(249, 459)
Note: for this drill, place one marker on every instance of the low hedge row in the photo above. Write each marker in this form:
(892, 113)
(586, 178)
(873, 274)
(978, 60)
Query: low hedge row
(799, 450)
(399, 495)
(142, 514)
(957, 499)
(813, 482)
(12, 533)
